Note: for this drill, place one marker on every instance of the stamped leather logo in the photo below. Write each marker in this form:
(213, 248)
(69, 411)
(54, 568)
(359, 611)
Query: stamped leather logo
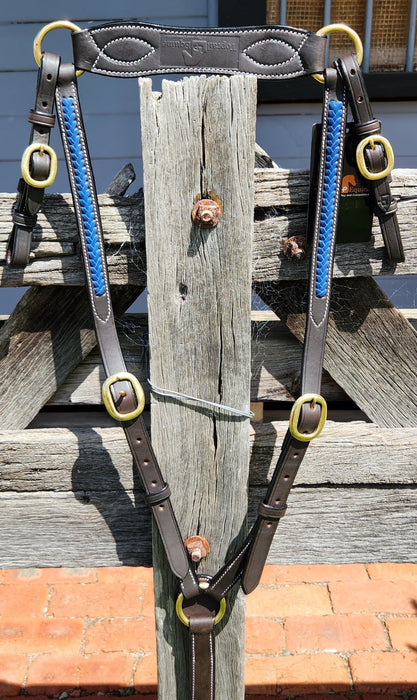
(210, 51)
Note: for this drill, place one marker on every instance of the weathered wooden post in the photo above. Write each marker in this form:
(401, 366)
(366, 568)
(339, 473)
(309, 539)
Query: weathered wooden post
(198, 139)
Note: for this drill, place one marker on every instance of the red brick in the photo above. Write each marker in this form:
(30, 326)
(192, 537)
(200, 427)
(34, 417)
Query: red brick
(125, 574)
(52, 674)
(260, 675)
(295, 675)
(121, 635)
(264, 636)
(372, 671)
(374, 596)
(104, 672)
(320, 573)
(96, 600)
(393, 572)
(294, 599)
(13, 670)
(269, 575)
(23, 600)
(403, 633)
(334, 633)
(146, 674)
(31, 636)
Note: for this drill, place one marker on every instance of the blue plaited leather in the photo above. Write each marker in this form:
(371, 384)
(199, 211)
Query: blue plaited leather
(84, 195)
(334, 125)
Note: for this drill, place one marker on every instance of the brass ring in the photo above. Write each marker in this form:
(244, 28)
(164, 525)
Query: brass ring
(360, 158)
(37, 42)
(340, 29)
(25, 165)
(185, 620)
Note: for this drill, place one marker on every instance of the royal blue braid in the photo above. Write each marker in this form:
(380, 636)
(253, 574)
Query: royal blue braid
(84, 196)
(334, 125)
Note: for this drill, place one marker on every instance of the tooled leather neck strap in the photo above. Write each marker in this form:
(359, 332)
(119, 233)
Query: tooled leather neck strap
(124, 396)
(131, 50)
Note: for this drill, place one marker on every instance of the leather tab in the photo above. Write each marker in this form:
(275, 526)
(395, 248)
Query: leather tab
(154, 499)
(268, 512)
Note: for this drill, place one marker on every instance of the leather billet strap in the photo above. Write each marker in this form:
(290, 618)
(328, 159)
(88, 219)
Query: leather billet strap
(133, 50)
(365, 125)
(30, 198)
(248, 563)
(89, 225)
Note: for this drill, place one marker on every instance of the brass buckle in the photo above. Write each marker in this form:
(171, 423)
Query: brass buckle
(340, 29)
(37, 42)
(360, 157)
(312, 399)
(185, 620)
(25, 165)
(108, 399)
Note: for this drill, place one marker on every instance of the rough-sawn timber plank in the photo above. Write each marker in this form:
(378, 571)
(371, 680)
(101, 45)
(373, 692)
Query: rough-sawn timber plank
(73, 493)
(281, 193)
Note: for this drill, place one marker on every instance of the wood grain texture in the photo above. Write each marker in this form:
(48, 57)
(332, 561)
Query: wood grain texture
(74, 493)
(47, 335)
(370, 347)
(199, 285)
(280, 194)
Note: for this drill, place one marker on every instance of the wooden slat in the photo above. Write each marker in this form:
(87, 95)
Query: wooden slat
(73, 493)
(199, 296)
(370, 346)
(275, 360)
(282, 189)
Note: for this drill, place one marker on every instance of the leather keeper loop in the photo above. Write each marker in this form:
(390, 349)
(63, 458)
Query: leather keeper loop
(154, 499)
(41, 119)
(24, 219)
(367, 128)
(271, 512)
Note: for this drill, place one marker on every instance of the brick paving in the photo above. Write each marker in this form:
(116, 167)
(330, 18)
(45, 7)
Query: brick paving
(347, 631)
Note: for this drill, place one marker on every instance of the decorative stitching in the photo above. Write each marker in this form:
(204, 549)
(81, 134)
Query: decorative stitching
(196, 31)
(189, 69)
(119, 61)
(296, 52)
(84, 194)
(201, 70)
(328, 204)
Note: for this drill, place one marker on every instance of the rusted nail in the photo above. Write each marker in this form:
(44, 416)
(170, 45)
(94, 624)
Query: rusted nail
(197, 547)
(206, 212)
(295, 248)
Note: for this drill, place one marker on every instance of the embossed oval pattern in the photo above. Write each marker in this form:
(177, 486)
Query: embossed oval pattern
(127, 50)
(270, 52)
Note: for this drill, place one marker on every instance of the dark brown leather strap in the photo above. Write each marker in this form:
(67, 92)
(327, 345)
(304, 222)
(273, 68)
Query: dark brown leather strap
(383, 203)
(123, 393)
(132, 50)
(30, 198)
